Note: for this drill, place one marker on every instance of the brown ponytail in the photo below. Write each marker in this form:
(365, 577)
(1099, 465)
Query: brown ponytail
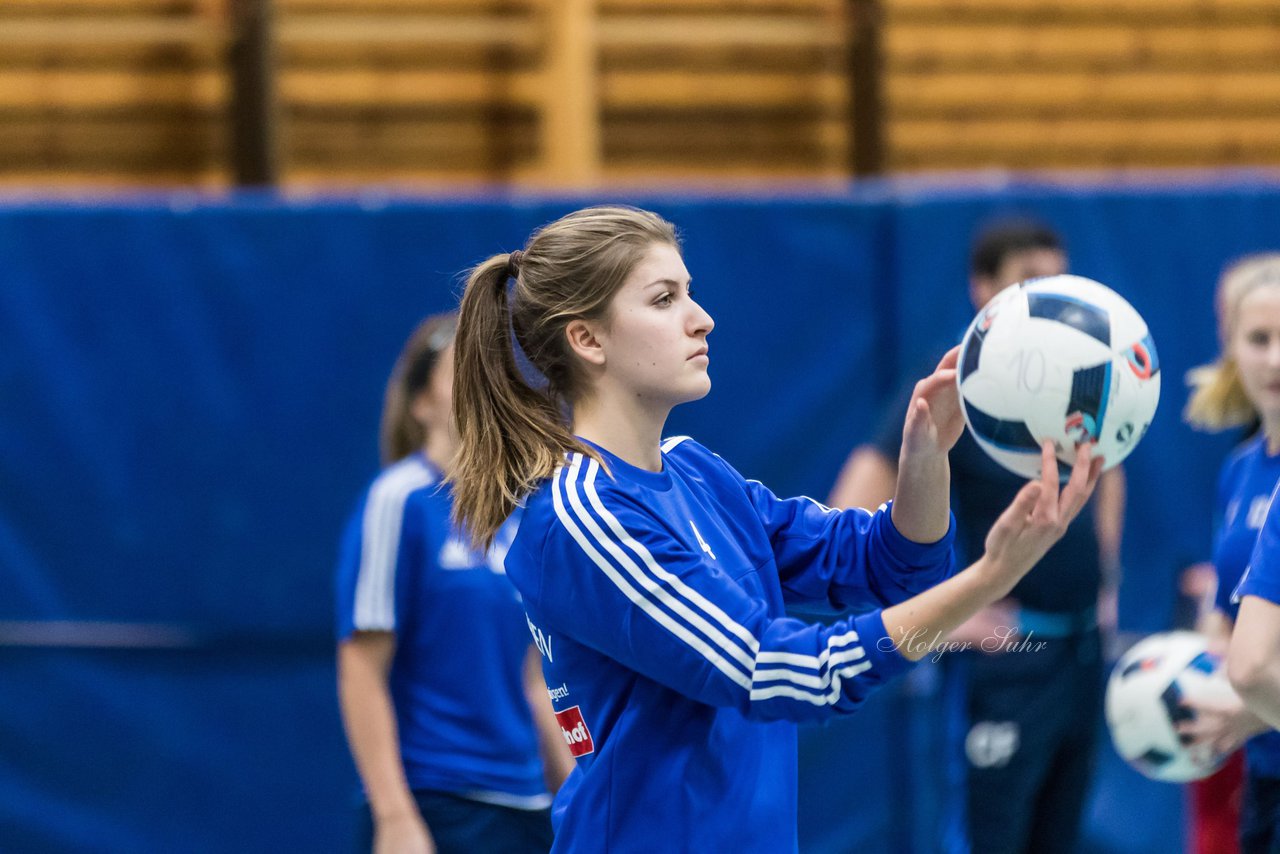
(512, 436)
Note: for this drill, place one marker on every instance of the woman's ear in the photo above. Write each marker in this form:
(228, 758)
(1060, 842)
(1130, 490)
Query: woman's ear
(584, 341)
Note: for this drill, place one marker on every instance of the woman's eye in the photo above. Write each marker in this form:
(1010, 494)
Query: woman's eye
(665, 299)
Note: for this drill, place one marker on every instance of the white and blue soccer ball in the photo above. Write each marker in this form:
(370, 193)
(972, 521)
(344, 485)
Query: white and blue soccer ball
(1062, 358)
(1145, 701)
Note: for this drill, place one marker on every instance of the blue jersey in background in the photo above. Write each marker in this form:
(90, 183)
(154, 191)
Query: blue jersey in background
(1249, 476)
(657, 600)
(1246, 482)
(461, 639)
(1262, 575)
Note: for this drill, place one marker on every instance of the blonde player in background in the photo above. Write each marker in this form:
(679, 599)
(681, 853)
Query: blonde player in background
(1240, 390)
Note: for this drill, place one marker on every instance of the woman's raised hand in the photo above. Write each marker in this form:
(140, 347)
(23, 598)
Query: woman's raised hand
(934, 418)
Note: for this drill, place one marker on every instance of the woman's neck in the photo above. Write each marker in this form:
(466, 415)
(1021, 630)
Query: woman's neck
(1271, 430)
(440, 449)
(627, 427)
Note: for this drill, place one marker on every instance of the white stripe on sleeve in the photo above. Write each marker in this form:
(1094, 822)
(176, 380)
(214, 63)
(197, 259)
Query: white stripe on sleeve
(570, 518)
(380, 543)
(665, 597)
(675, 593)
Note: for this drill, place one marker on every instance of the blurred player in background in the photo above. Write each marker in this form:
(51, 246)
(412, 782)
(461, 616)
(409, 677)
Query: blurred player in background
(1253, 664)
(437, 678)
(1240, 390)
(1033, 715)
(655, 576)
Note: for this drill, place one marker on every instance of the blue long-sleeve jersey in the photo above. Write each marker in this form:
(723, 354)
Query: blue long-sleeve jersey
(1248, 478)
(1245, 484)
(657, 601)
(1262, 576)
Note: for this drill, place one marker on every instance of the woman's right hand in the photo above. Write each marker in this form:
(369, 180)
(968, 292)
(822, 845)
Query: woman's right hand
(402, 834)
(935, 420)
(1038, 517)
(1219, 726)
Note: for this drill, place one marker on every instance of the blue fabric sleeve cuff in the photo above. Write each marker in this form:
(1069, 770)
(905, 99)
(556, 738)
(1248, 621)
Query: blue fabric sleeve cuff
(882, 651)
(910, 552)
(1261, 587)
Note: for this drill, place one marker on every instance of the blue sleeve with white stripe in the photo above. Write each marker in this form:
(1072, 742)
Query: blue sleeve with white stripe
(1262, 577)
(851, 558)
(614, 576)
(380, 540)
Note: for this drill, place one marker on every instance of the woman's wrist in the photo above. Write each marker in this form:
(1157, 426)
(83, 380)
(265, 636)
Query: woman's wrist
(394, 809)
(920, 458)
(994, 577)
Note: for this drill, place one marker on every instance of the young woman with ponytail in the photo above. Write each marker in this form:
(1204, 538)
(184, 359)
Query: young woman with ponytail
(1241, 390)
(438, 683)
(655, 577)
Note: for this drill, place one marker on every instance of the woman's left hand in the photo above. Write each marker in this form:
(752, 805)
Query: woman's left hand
(934, 418)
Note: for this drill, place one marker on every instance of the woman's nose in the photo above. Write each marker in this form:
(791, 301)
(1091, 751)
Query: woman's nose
(702, 321)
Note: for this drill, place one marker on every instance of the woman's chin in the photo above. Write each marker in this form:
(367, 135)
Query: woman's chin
(699, 390)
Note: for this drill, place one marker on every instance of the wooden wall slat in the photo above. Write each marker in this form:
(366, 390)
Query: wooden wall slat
(1081, 83)
(1105, 12)
(111, 90)
(107, 8)
(357, 88)
(421, 31)
(1140, 143)
(944, 48)
(1069, 94)
(406, 7)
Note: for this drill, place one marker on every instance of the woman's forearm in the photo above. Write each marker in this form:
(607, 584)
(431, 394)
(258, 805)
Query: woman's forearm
(1253, 660)
(922, 501)
(1260, 691)
(927, 618)
(369, 718)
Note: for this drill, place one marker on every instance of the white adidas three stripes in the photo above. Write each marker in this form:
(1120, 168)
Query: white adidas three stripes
(698, 622)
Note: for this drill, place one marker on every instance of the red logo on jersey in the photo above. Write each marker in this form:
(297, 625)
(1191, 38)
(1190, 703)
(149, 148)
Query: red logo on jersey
(575, 732)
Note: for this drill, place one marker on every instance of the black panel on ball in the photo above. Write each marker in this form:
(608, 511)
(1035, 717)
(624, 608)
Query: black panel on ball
(1089, 319)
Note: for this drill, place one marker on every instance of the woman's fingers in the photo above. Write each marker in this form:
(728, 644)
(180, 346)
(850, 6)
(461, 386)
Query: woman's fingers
(1006, 534)
(1084, 477)
(950, 360)
(1016, 516)
(916, 413)
(938, 380)
(1047, 506)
